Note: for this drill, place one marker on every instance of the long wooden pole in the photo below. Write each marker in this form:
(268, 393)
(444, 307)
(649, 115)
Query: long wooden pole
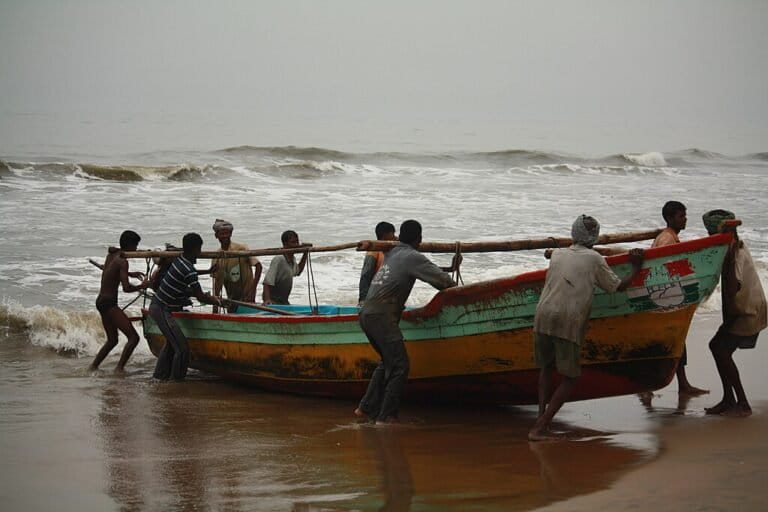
(435, 247)
(513, 245)
(239, 254)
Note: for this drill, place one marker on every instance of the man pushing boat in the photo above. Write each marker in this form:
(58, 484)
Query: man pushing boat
(115, 272)
(380, 318)
(562, 315)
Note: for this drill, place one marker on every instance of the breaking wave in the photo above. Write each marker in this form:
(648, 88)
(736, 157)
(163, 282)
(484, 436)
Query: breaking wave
(97, 172)
(70, 333)
(652, 159)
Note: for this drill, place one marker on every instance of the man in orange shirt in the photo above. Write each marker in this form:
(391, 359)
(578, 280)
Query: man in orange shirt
(373, 260)
(674, 214)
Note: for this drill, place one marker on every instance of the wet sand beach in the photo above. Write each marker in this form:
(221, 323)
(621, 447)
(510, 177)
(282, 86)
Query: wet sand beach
(75, 441)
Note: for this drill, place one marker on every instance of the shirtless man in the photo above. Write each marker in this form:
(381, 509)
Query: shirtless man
(115, 273)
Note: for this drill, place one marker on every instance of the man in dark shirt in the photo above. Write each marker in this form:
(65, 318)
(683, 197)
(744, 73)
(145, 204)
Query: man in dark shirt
(373, 260)
(177, 285)
(380, 318)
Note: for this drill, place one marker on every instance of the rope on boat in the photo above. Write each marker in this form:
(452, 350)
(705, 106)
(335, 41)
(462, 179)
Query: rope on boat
(457, 271)
(311, 287)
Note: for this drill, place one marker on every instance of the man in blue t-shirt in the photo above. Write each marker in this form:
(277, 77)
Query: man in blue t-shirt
(176, 287)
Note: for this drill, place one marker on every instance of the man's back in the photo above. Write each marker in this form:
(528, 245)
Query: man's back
(110, 275)
(175, 288)
(749, 304)
(394, 281)
(566, 300)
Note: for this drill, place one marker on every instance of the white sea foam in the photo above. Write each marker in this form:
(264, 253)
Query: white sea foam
(77, 333)
(652, 159)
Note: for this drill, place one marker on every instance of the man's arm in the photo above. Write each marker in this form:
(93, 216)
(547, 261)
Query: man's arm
(250, 293)
(266, 295)
(124, 276)
(428, 272)
(303, 260)
(218, 284)
(269, 280)
(206, 298)
(730, 284)
(636, 258)
(455, 263)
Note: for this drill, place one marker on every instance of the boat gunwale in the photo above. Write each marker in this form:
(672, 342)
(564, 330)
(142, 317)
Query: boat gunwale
(449, 296)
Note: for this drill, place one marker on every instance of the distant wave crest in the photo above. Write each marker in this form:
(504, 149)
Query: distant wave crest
(652, 159)
(299, 153)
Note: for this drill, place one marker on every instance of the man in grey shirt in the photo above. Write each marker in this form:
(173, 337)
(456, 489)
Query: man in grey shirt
(278, 282)
(380, 318)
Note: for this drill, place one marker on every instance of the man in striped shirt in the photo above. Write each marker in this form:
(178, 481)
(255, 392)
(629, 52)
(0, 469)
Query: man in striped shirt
(178, 284)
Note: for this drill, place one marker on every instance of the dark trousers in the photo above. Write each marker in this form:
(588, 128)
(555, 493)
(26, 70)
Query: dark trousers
(382, 398)
(173, 360)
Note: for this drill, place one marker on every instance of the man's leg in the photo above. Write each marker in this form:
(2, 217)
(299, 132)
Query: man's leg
(545, 388)
(683, 386)
(741, 408)
(561, 394)
(721, 349)
(163, 366)
(125, 326)
(180, 362)
(567, 359)
(396, 368)
(544, 356)
(110, 329)
(370, 404)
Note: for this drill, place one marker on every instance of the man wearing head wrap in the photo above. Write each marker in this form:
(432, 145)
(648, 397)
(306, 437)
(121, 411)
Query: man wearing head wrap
(563, 311)
(744, 316)
(238, 276)
(675, 215)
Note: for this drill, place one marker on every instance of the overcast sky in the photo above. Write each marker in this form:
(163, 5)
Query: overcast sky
(633, 66)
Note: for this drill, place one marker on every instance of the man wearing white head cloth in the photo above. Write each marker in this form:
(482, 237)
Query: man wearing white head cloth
(562, 315)
(238, 276)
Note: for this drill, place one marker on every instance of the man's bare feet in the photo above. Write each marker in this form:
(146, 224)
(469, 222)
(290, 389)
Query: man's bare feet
(738, 411)
(720, 408)
(692, 391)
(387, 422)
(359, 413)
(544, 435)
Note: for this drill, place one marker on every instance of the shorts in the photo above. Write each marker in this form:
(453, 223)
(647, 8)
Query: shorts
(727, 341)
(104, 304)
(564, 353)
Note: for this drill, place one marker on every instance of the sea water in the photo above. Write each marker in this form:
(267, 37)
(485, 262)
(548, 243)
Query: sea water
(77, 440)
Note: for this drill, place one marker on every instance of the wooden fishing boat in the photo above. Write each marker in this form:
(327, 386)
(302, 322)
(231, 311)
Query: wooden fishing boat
(470, 343)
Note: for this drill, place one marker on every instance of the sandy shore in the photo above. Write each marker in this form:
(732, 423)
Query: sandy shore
(705, 462)
(72, 440)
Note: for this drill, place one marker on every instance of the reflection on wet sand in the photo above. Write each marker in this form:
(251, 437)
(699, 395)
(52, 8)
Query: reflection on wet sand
(484, 464)
(204, 444)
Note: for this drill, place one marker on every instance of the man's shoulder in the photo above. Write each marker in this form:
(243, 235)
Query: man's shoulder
(237, 246)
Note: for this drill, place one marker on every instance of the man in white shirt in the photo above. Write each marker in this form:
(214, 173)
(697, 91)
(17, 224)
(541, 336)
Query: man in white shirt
(562, 315)
(744, 316)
